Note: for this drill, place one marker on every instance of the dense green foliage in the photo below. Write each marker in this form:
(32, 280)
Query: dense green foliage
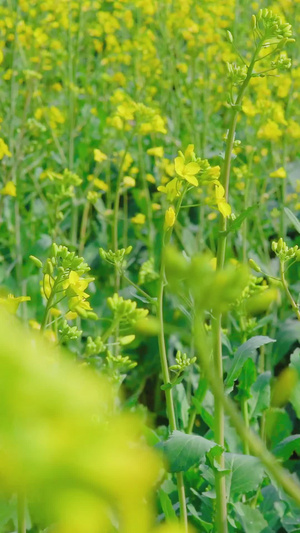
(149, 208)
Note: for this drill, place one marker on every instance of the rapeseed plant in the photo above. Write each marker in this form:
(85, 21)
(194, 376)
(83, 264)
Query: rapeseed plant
(118, 135)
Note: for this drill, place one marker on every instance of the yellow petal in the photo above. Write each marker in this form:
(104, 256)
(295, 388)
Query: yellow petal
(191, 179)
(179, 165)
(224, 208)
(189, 151)
(220, 191)
(192, 169)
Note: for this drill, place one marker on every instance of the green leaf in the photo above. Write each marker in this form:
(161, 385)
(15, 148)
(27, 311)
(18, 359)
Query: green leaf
(246, 474)
(278, 425)
(205, 526)
(246, 350)
(184, 451)
(293, 219)
(246, 379)
(236, 224)
(167, 506)
(261, 395)
(287, 447)
(252, 521)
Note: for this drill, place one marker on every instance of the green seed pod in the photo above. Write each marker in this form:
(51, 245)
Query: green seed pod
(36, 261)
(254, 265)
(229, 36)
(254, 23)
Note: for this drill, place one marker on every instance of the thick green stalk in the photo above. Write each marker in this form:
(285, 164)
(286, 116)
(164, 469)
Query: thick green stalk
(287, 291)
(256, 446)
(165, 366)
(221, 504)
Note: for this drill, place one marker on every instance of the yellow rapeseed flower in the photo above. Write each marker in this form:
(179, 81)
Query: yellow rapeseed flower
(99, 156)
(4, 150)
(170, 218)
(157, 152)
(9, 189)
(139, 219)
(279, 173)
(187, 172)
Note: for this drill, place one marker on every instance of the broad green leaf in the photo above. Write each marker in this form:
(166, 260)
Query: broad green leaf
(246, 473)
(278, 426)
(293, 219)
(246, 350)
(295, 396)
(205, 526)
(167, 506)
(243, 474)
(252, 521)
(289, 333)
(287, 447)
(184, 451)
(246, 379)
(261, 395)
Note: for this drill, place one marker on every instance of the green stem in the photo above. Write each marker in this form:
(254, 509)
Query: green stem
(145, 294)
(287, 291)
(165, 367)
(244, 406)
(221, 504)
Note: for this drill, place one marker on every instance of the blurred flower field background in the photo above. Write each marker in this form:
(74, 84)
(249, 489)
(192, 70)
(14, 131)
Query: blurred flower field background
(149, 266)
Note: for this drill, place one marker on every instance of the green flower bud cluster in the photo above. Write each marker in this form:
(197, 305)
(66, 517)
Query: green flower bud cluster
(68, 333)
(283, 252)
(63, 185)
(147, 272)
(61, 257)
(63, 271)
(125, 310)
(268, 25)
(94, 346)
(182, 362)
(282, 63)
(119, 362)
(256, 284)
(236, 73)
(115, 258)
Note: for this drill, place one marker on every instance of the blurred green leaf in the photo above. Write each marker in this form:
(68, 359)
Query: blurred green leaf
(246, 350)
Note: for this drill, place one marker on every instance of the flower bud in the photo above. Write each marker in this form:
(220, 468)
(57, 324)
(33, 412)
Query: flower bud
(170, 218)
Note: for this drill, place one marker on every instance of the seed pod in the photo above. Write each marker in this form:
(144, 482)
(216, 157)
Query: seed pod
(254, 265)
(36, 261)
(229, 36)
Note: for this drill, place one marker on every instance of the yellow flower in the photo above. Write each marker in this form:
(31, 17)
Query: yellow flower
(157, 152)
(187, 172)
(279, 173)
(270, 131)
(4, 149)
(71, 315)
(11, 304)
(9, 189)
(75, 285)
(100, 184)
(128, 181)
(99, 156)
(156, 207)
(150, 178)
(170, 218)
(223, 206)
(139, 219)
